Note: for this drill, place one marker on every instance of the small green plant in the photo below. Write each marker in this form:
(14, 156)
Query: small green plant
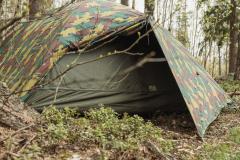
(235, 135)
(32, 152)
(56, 116)
(230, 85)
(216, 152)
(228, 150)
(101, 115)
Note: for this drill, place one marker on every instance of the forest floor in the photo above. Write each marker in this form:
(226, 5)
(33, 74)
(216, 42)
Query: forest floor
(102, 134)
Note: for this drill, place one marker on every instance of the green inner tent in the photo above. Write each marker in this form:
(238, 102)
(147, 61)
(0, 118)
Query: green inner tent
(146, 89)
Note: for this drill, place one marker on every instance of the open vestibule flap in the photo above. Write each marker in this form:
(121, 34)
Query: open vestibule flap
(203, 96)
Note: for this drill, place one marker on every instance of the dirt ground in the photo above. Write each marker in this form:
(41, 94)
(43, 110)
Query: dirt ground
(178, 128)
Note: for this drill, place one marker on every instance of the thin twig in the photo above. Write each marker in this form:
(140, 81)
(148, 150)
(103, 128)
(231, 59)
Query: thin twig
(235, 93)
(56, 92)
(16, 132)
(26, 144)
(12, 154)
(140, 63)
(152, 147)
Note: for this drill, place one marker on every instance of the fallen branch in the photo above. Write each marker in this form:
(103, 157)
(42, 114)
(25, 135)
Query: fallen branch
(153, 148)
(16, 132)
(146, 59)
(26, 144)
(8, 154)
(235, 93)
(12, 154)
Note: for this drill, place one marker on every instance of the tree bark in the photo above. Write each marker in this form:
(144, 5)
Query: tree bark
(213, 66)
(149, 7)
(207, 55)
(195, 27)
(165, 8)
(171, 17)
(34, 8)
(226, 59)
(13, 113)
(237, 72)
(37, 7)
(219, 62)
(233, 38)
(125, 2)
(133, 4)
(1, 4)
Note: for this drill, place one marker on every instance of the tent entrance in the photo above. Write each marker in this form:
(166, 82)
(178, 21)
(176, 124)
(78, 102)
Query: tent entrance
(147, 88)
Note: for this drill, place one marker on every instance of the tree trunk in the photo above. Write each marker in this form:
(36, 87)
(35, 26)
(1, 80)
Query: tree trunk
(149, 7)
(226, 59)
(34, 8)
(1, 5)
(219, 62)
(233, 38)
(13, 113)
(125, 2)
(205, 60)
(171, 17)
(195, 27)
(18, 10)
(133, 4)
(213, 66)
(165, 8)
(237, 73)
(37, 7)
(207, 55)
(157, 9)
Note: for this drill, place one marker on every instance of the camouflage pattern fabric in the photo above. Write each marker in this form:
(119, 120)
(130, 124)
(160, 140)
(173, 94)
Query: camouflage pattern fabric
(31, 51)
(203, 96)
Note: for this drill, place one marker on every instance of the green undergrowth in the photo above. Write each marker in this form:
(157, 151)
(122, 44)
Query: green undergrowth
(230, 85)
(102, 128)
(229, 149)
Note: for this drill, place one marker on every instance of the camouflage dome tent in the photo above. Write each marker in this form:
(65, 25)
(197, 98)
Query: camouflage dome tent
(37, 52)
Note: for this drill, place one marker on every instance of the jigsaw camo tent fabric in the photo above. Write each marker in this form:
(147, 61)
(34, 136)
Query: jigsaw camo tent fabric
(203, 96)
(27, 56)
(39, 50)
